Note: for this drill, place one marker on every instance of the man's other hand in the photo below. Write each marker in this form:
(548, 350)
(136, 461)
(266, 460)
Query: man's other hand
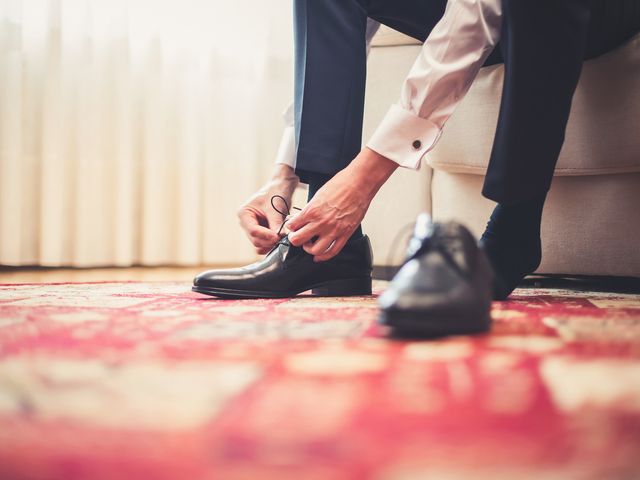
(258, 218)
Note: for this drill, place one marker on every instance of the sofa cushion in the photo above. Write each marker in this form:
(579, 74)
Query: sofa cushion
(603, 134)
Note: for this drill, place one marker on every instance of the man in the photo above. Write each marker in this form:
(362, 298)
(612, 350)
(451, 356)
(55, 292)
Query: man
(542, 44)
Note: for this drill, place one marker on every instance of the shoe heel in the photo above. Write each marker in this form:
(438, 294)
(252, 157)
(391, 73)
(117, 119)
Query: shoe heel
(344, 288)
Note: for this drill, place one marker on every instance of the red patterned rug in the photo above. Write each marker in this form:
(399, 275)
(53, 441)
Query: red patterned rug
(148, 380)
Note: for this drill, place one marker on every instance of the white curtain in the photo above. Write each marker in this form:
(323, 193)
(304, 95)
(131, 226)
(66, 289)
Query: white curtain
(130, 130)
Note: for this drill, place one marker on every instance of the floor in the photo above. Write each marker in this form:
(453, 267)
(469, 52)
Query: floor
(141, 274)
(125, 373)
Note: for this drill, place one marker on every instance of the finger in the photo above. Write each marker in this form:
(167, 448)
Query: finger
(259, 236)
(263, 251)
(298, 220)
(332, 251)
(276, 223)
(248, 219)
(319, 246)
(285, 225)
(304, 235)
(263, 237)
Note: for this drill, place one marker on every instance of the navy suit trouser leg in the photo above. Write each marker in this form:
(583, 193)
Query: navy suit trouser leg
(330, 73)
(543, 45)
(330, 76)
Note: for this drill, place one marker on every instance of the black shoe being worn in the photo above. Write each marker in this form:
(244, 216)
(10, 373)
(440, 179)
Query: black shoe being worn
(512, 243)
(288, 270)
(444, 286)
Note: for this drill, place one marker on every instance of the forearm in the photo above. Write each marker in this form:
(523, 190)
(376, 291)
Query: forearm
(440, 77)
(370, 170)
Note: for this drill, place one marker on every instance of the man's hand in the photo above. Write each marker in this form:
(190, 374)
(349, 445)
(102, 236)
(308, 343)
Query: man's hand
(330, 218)
(258, 218)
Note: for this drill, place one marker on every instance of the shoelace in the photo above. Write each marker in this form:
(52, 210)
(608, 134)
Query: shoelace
(284, 214)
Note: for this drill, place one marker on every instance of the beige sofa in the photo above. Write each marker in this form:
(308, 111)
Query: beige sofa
(591, 224)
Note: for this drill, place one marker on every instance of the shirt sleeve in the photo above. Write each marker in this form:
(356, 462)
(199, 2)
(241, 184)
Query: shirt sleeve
(287, 151)
(441, 76)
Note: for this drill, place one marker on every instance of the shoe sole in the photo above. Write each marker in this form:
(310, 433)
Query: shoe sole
(421, 324)
(336, 288)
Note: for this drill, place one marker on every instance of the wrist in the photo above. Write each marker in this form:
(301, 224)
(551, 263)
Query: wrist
(284, 172)
(372, 170)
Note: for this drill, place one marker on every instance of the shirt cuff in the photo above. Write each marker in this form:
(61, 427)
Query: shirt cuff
(404, 137)
(287, 151)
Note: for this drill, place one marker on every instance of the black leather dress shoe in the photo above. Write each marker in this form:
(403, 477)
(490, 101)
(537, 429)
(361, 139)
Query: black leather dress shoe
(288, 270)
(443, 288)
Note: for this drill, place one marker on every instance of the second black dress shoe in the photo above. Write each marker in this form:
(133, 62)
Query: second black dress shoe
(288, 270)
(444, 286)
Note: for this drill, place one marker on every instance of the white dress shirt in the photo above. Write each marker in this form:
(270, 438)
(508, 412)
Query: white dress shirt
(440, 77)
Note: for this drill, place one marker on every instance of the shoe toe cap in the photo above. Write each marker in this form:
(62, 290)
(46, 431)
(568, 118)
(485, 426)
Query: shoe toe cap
(212, 278)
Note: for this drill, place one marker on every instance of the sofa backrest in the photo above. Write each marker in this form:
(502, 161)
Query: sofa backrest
(603, 133)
